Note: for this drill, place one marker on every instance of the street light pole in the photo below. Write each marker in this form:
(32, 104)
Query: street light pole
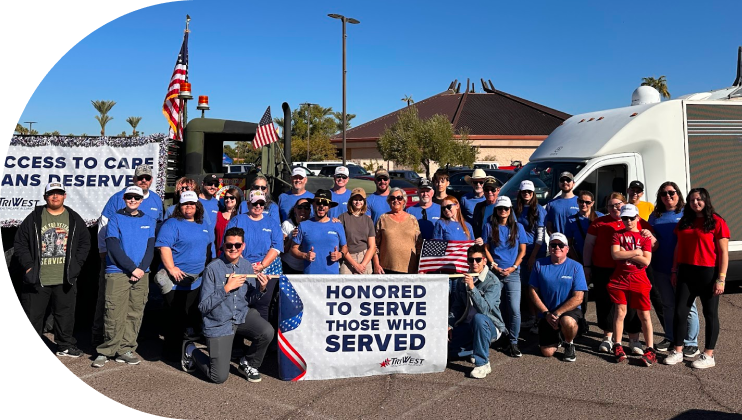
(30, 124)
(345, 122)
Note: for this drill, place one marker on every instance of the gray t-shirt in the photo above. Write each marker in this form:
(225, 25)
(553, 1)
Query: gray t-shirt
(357, 231)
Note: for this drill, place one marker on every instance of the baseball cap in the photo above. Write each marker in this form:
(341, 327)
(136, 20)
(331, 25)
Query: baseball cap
(492, 182)
(342, 170)
(211, 178)
(636, 184)
(567, 174)
(527, 185)
(629, 210)
(503, 201)
(381, 172)
(188, 197)
(424, 183)
(256, 195)
(299, 172)
(134, 190)
(143, 170)
(558, 237)
(358, 191)
(54, 186)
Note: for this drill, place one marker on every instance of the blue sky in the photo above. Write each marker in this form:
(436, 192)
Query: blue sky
(576, 57)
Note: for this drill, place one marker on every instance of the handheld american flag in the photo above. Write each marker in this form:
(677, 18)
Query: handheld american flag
(266, 132)
(171, 107)
(444, 256)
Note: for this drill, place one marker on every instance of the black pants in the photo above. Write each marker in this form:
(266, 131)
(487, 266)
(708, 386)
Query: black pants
(604, 308)
(181, 311)
(695, 281)
(655, 297)
(36, 298)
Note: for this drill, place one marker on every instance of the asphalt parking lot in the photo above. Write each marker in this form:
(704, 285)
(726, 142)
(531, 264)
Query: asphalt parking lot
(533, 386)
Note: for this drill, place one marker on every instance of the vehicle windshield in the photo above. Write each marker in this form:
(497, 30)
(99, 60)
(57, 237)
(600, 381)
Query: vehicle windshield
(545, 177)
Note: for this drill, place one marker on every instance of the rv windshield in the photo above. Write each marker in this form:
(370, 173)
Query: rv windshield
(545, 177)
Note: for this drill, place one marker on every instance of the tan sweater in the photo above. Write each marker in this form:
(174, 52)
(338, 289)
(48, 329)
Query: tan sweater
(398, 243)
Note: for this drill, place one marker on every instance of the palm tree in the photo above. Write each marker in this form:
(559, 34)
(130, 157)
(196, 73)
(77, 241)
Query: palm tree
(659, 84)
(408, 99)
(134, 122)
(103, 107)
(21, 129)
(339, 117)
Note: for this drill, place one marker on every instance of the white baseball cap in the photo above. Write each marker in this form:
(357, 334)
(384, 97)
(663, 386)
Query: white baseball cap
(54, 186)
(527, 185)
(256, 195)
(134, 190)
(188, 197)
(629, 210)
(503, 201)
(342, 170)
(558, 237)
(299, 171)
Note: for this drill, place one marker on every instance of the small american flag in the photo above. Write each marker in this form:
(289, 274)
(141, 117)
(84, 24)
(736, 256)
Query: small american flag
(444, 256)
(171, 107)
(291, 365)
(266, 132)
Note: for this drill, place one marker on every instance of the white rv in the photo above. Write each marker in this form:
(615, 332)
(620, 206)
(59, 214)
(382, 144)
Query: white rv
(694, 140)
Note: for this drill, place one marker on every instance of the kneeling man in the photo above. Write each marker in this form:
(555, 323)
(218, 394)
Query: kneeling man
(475, 319)
(557, 284)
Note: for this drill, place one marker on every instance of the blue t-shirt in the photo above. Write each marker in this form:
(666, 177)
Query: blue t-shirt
(426, 226)
(260, 236)
(377, 206)
(188, 242)
(664, 227)
(504, 254)
(558, 211)
(211, 209)
(449, 230)
(324, 237)
(133, 234)
(286, 202)
(151, 205)
(343, 200)
(169, 211)
(270, 211)
(531, 230)
(571, 230)
(556, 282)
(468, 202)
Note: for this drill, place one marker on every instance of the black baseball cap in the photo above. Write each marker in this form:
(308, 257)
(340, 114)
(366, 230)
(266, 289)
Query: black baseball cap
(325, 195)
(636, 184)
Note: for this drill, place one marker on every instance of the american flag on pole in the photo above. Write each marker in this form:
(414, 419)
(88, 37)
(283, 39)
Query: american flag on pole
(171, 107)
(444, 256)
(266, 132)
(291, 366)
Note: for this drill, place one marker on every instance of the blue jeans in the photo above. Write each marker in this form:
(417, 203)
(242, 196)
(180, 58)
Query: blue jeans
(510, 303)
(477, 335)
(667, 294)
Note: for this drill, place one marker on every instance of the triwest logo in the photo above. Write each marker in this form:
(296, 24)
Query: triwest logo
(17, 202)
(402, 361)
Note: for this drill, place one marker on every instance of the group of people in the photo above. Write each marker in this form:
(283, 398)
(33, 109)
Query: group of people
(216, 256)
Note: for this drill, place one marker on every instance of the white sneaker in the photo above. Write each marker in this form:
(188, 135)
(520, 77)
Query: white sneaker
(480, 372)
(472, 361)
(636, 347)
(605, 346)
(673, 358)
(704, 362)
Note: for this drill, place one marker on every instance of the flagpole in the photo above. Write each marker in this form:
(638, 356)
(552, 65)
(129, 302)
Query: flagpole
(184, 107)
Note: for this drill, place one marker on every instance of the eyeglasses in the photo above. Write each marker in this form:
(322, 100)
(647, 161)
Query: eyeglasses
(555, 245)
(228, 245)
(304, 206)
(132, 197)
(185, 188)
(581, 201)
(211, 184)
(144, 177)
(322, 202)
(260, 187)
(502, 208)
(472, 260)
(396, 197)
(259, 203)
(627, 218)
(341, 176)
(616, 205)
(671, 193)
(229, 197)
(565, 180)
(449, 206)
(382, 178)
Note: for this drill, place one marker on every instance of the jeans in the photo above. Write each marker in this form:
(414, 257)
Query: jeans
(477, 335)
(667, 291)
(510, 303)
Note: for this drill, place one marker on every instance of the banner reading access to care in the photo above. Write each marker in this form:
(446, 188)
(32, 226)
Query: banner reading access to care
(91, 170)
(360, 325)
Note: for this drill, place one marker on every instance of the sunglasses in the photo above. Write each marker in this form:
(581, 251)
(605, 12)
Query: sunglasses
(491, 190)
(627, 218)
(322, 202)
(229, 197)
(382, 178)
(448, 207)
(260, 187)
(556, 245)
(565, 180)
(616, 205)
(472, 260)
(211, 184)
(228, 245)
(341, 176)
(185, 188)
(132, 197)
(524, 192)
(259, 203)
(502, 208)
(396, 198)
(477, 182)
(671, 193)
(144, 177)
(305, 206)
(580, 201)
